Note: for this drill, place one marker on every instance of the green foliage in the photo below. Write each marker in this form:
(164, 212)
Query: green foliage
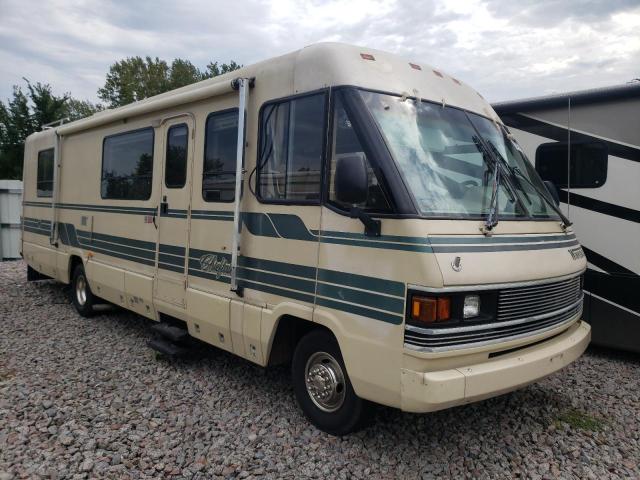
(77, 109)
(47, 107)
(24, 114)
(580, 420)
(127, 81)
(137, 78)
(214, 69)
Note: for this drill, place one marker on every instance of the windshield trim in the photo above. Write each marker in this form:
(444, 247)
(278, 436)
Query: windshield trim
(458, 216)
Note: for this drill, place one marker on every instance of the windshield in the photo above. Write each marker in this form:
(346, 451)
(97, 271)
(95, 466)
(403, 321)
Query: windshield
(449, 170)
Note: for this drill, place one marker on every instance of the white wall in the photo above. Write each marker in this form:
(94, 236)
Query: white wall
(10, 210)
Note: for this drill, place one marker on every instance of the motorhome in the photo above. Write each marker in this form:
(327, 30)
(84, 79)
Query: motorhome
(588, 144)
(359, 215)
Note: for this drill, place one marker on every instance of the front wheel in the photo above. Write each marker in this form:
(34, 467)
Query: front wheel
(81, 295)
(322, 387)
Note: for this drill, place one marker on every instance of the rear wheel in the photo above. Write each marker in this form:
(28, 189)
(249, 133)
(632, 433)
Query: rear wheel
(322, 387)
(81, 295)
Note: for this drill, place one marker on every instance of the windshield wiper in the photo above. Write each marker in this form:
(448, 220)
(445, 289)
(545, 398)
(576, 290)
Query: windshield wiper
(515, 171)
(492, 217)
(500, 157)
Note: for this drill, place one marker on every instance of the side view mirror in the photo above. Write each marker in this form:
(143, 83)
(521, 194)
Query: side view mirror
(553, 191)
(351, 185)
(351, 181)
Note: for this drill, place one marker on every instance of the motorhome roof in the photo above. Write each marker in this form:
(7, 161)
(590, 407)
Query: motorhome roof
(605, 94)
(314, 67)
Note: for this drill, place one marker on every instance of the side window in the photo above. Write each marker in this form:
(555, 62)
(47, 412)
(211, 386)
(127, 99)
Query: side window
(290, 160)
(346, 144)
(175, 171)
(589, 161)
(219, 172)
(44, 185)
(127, 165)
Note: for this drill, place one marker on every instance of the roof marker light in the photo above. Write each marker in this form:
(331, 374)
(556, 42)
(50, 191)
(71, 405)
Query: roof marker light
(367, 56)
(438, 73)
(415, 66)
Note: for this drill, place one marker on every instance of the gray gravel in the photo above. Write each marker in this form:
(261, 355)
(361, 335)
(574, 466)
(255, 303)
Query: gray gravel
(87, 399)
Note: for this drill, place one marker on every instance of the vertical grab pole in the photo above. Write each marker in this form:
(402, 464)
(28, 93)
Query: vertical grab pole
(53, 233)
(569, 158)
(242, 85)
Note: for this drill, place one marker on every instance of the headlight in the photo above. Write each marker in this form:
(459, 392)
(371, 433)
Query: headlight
(471, 307)
(429, 309)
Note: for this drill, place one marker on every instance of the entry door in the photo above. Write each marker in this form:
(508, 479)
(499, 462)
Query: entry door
(174, 210)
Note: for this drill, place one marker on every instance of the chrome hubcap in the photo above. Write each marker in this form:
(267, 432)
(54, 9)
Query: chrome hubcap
(325, 382)
(81, 290)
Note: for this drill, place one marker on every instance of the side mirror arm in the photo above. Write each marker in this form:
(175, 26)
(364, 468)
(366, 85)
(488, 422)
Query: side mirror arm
(372, 227)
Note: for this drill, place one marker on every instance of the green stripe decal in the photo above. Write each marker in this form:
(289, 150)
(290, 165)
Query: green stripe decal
(173, 268)
(107, 208)
(277, 291)
(388, 287)
(464, 240)
(132, 251)
(374, 300)
(288, 226)
(277, 280)
(357, 310)
(504, 248)
(37, 231)
(37, 204)
(278, 267)
(174, 213)
(115, 239)
(375, 244)
(171, 259)
(172, 249)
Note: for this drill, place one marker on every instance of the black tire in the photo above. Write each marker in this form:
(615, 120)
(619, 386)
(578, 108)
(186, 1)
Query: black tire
(81, 295)
(348, 412)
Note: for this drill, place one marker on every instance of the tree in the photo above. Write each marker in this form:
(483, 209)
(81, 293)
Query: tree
(213, 69)
(182, 73)
(77, 109)
(127, 81)
(47, 107)
(15, 125)
(137, 78)
(27, 113)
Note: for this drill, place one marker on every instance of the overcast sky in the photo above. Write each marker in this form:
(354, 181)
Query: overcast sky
(505, 49)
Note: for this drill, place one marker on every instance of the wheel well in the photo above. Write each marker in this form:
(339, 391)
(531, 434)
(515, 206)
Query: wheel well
(288, 333)
(73, 262)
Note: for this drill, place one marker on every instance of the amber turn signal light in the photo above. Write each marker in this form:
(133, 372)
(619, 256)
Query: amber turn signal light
(430, 309)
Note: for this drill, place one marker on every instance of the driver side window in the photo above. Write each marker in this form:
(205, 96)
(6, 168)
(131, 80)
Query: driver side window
(347, 145)
(291, 150)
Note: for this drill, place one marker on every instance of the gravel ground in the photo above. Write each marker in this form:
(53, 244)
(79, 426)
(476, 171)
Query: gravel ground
(87, 399)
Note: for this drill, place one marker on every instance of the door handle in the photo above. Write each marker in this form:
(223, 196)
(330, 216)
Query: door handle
(164, 208)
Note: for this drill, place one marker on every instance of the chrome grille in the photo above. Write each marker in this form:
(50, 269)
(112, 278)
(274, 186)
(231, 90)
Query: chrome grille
(514, 303)
(522, 311)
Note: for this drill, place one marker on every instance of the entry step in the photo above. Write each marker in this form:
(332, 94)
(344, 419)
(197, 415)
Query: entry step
(170, 332)
(166, 347)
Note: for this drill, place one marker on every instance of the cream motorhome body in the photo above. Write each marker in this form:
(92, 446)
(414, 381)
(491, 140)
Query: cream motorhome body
(391, 241)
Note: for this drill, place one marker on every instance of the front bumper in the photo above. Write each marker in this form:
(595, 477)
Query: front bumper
(430, 391)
